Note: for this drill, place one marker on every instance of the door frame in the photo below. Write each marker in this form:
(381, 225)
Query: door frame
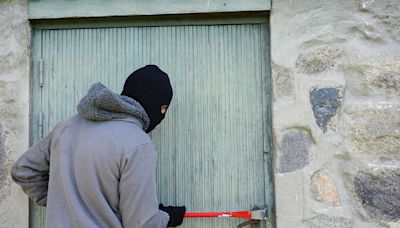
(261, 17)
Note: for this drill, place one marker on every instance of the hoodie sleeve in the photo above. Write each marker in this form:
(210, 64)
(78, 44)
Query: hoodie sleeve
(138, 201)
(31, 171)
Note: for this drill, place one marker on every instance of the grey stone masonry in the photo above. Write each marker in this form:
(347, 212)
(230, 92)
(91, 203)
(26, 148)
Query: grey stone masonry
(379, 193)
(336, 79)
(325, 103)
(294, 153)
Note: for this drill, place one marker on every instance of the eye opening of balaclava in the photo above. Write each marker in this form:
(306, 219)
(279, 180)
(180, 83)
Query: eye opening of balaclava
(151, 87)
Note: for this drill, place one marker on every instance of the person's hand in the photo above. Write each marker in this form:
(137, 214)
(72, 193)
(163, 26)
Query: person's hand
(176, 214)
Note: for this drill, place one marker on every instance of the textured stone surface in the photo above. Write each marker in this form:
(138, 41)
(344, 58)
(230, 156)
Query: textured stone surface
(4, 167)
(324, 189)
(374, 128)
(14, 106)
(283, 81)
(317, 61)
(374, 78)
(326, 221)
(387, 19)
(83, 8)
(379, 193)
(394, 224)
(353, 46)
(295, 149)
(325, 103)
(289, 203)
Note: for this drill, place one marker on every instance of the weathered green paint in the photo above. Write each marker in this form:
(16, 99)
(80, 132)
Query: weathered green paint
(215, 144)
(158, 20)
(36, 213)
(47, 9)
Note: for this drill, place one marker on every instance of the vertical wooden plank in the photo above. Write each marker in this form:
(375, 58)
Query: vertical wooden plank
(231, 171)
(267, 125)
(36, 110)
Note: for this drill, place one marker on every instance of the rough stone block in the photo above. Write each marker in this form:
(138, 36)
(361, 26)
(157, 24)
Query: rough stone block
(369, 31)
(14, 106)
(386, 18)
(13, 35)
(283, 81)
(294, 152)
(317, 61)
(394, 224)
(373, 128)
(289, 200)
(4, 167)
(373, 78)
(326, 221)
(324, 189)
(325, 103)
(379, 193)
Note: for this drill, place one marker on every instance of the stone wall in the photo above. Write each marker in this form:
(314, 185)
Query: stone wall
(336, 112)
(14, 106)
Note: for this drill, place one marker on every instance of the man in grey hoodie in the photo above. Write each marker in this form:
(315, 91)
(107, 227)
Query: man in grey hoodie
(97, 169)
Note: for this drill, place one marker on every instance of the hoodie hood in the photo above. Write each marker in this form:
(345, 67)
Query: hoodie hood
(101, 104)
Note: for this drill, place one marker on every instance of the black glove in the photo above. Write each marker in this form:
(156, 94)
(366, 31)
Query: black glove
(175, 214)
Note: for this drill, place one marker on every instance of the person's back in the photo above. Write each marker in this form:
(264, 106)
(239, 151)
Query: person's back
(101, 164)
(90, 158)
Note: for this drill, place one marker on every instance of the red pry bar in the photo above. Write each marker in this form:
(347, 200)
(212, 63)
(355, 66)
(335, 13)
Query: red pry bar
(234, 214)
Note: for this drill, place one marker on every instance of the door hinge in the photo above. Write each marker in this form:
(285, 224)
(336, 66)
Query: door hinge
(40, 124)
(41, 72)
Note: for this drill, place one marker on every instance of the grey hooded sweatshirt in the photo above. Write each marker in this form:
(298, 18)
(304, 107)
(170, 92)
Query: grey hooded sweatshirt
(96, 169)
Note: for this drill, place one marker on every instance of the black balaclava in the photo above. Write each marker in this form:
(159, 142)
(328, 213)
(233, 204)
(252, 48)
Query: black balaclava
(149, 86)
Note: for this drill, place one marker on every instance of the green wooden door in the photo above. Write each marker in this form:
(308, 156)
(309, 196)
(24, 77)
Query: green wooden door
(214, 146)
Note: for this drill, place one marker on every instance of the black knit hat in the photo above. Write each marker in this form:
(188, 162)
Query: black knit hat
(151, 87)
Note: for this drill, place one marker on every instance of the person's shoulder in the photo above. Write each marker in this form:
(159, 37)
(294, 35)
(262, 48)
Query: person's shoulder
(73, 120)
(128, 132)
